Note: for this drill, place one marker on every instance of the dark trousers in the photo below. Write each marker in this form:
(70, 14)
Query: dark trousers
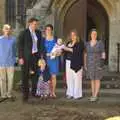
(28, 65)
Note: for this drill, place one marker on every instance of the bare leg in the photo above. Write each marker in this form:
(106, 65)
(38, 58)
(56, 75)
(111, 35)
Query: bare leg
(93, 87)
(97, 87)
(53, 85)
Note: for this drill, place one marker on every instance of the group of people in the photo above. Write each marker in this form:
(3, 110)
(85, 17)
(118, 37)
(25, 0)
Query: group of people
(39, 60)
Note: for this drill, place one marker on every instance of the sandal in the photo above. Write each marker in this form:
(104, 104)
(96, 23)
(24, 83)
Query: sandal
(93, 99)
(52, 96)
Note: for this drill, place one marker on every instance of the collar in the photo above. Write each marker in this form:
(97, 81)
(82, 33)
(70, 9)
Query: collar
(1, 37)
(31, 30)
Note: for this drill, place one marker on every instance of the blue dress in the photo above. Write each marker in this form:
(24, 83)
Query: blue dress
(53, 64)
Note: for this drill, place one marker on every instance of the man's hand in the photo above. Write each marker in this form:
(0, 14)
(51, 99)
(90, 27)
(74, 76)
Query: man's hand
(21, 61)
(103, 55)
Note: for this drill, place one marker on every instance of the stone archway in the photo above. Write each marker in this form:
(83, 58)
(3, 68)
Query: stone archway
(83, 16)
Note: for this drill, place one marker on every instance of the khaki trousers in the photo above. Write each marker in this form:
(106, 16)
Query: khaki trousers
(6, 81)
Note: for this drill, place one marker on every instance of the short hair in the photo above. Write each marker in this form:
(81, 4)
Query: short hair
(50, 26)
(6, 26)
(32, 20)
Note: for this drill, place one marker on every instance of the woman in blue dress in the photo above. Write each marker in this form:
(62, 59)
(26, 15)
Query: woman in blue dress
(53, 64)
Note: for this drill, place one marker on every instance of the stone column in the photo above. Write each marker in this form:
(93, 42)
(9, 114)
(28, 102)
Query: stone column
(114, 37)
(2, 11)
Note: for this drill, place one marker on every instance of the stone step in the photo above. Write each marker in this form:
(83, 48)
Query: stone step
(114, 93)
(107, 76)
(86, 84)
(111, 80)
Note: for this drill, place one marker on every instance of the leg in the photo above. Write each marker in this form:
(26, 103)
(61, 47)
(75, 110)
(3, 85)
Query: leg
(25, 81)
(46, 88)
(69, 79)
(53, 85)
(93, 87)
(3, 81)
(10, 76)
(78, 84)
(97, 87)
(34, 77)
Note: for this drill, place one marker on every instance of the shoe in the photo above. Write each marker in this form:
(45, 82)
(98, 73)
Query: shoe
(3, 99)
(93, 99)
(53, 96)
(77, 98)
(45, 97)
(12, 99)
(41, 97)
(69, 97)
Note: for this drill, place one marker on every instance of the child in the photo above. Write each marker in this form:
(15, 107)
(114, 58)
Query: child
(43, 80)
(57, 48)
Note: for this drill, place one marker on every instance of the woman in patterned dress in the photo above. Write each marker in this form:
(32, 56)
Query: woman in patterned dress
(94, 56)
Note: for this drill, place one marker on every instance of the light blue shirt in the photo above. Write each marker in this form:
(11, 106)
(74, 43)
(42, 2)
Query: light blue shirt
(34, 40)
(7, 51)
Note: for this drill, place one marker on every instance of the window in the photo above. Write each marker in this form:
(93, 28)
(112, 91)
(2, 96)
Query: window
(10, 12)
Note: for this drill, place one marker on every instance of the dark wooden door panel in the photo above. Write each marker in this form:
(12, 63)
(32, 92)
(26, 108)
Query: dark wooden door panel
(76, 18)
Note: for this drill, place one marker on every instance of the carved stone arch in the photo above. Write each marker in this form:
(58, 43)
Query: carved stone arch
(107, 5)
(103, 27)
(67, 4)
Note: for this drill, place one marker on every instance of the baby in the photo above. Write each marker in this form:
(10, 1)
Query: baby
(57, 48)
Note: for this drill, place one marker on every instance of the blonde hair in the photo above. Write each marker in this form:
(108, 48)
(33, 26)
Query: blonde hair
(76, 33)
(6, 26)
(41, 62)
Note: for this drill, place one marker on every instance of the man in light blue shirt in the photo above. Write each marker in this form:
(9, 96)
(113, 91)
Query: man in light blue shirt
(7, 61)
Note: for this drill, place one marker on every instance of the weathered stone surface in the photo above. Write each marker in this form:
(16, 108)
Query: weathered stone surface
(2, 11)
(111, 6)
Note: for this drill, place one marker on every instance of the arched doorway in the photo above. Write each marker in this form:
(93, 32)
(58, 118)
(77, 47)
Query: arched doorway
(84, 15)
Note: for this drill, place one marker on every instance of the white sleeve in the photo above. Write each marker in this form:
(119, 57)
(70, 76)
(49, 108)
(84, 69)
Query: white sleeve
(54, 49)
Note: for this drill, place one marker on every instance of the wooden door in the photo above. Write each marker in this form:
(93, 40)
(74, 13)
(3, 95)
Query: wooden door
(76, 19)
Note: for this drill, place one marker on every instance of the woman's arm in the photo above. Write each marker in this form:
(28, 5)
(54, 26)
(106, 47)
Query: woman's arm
(102, 47)
(68, 49)
(85, 60)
